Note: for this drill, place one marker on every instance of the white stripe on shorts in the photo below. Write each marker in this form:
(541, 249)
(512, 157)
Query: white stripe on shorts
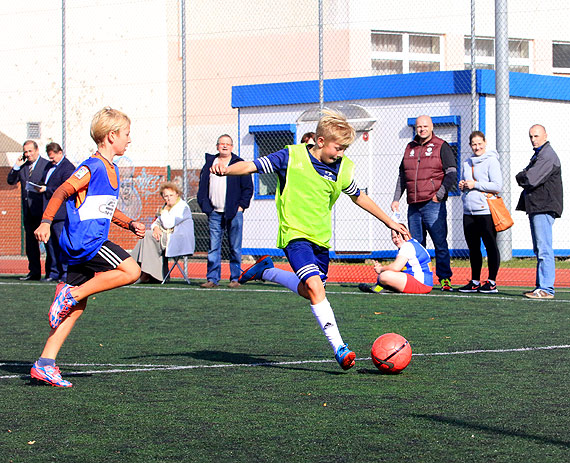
(305, 270)
(110, 256)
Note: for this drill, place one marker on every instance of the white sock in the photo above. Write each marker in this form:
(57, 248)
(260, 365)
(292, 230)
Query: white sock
(324, 314)
(476, 282)
(282, 277)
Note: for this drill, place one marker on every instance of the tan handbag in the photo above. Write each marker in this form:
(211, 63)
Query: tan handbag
(501, 217)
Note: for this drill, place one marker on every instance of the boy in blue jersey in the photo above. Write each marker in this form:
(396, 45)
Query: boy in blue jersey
(95, 264)
(311, 179)
(409, 273)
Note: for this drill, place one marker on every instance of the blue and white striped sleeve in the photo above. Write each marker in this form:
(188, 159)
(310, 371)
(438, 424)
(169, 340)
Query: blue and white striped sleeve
(274, 162)
(352, 189)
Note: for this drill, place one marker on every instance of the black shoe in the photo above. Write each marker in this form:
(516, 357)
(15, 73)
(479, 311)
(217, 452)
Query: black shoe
(374, 289)
(488, 288)
(31, 277)
(470, 287)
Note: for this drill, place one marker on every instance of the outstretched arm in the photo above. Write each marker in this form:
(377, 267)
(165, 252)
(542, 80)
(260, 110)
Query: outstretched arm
(239, 168)
(365, 202)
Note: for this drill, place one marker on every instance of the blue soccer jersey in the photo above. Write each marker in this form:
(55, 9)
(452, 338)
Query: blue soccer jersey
(277, 163)
(87, 225)
(419, 262)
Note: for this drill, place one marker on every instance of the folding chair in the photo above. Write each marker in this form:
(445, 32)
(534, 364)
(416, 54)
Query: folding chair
(176, 264)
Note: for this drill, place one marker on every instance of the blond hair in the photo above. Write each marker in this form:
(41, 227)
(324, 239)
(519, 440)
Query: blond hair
(170, 186)
(108, 120)
(333, 125)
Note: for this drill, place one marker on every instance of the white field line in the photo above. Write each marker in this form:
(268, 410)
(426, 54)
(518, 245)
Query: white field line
(141, 368)
(275, 289)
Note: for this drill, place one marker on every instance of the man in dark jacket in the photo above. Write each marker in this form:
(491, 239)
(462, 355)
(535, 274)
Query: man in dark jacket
(428, 172)
(541, 199)
(55, 173)
(29, 170)
(223, 200)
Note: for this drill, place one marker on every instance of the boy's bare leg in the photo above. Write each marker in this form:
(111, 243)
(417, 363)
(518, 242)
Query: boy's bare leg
(126, 273)
(58, 335)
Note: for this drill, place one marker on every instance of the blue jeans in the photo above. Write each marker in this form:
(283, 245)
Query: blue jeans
(431, 217)
(234, 227)
(541, 232)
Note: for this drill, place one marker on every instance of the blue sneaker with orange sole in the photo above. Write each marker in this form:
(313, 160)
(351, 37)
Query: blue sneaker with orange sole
(255, 272)
(61, 306)
(345, 357)
(50, 375)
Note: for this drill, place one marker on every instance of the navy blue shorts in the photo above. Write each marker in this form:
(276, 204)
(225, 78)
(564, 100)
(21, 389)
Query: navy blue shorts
(307, 259)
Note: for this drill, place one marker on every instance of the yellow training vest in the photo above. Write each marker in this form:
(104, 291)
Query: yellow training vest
(304, 207)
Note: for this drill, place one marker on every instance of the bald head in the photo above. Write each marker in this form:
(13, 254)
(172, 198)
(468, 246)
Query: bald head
(537, 135)
(424, 128)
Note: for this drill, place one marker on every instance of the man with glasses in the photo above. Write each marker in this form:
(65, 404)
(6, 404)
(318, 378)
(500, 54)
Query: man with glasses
(223, 200)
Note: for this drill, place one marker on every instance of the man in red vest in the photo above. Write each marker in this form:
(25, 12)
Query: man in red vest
(428, 172)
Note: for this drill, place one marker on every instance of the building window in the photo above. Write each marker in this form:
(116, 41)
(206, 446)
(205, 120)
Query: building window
(34, 130)
(561, 57)
(519, 54)
(402, 52)
(269, 139)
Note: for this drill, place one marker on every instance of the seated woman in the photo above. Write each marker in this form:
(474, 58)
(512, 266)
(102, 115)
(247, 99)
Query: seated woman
(170, 235)
(409, 273)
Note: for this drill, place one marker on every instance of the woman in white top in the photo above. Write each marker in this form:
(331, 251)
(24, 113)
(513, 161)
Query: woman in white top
(170, 235)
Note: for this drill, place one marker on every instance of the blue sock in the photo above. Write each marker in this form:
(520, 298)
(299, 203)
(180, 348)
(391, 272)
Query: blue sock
(44, 362)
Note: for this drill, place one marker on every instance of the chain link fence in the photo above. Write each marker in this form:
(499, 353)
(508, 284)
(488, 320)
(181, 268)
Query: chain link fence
(187, 72)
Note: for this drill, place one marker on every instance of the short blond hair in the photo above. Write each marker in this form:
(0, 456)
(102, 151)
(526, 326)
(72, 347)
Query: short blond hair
(170, 186)
(333, 125)
(108, 120)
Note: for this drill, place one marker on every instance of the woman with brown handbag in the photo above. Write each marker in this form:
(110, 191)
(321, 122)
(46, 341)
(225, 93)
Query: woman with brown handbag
(481, 176)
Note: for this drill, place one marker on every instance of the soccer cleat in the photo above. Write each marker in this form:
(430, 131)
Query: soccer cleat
(469, 287)
(345, 357)
(61, 306)
(50, 375)
(446, 284)
(370, 288)
(255, 272)
(488, 288)
(539, 294)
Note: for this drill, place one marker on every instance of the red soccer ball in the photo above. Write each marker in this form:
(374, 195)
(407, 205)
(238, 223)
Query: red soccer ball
(391, 353)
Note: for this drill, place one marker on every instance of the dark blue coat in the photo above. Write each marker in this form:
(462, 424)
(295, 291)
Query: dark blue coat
(32, 202)
(62, 172)
(238, 193)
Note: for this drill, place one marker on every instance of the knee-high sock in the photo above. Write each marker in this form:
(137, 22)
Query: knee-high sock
(324, 314)
(282, 277)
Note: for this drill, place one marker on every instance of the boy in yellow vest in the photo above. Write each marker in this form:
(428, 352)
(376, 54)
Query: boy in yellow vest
(311, 178)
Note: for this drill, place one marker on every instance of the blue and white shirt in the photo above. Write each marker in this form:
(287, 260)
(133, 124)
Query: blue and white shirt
(419, 262)
(277, 163)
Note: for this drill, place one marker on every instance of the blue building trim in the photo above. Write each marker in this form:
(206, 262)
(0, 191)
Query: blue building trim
(273, 128)
(397, 86)
(264, 129)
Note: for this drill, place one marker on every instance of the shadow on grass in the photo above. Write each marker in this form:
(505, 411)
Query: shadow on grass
(492, 429)
(233, 358)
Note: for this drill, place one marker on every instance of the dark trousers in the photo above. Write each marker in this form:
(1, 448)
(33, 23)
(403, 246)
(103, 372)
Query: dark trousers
(55, 268)
(477, 228)
(32, 245)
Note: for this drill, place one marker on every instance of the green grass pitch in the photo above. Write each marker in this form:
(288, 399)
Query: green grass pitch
(177, 373)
